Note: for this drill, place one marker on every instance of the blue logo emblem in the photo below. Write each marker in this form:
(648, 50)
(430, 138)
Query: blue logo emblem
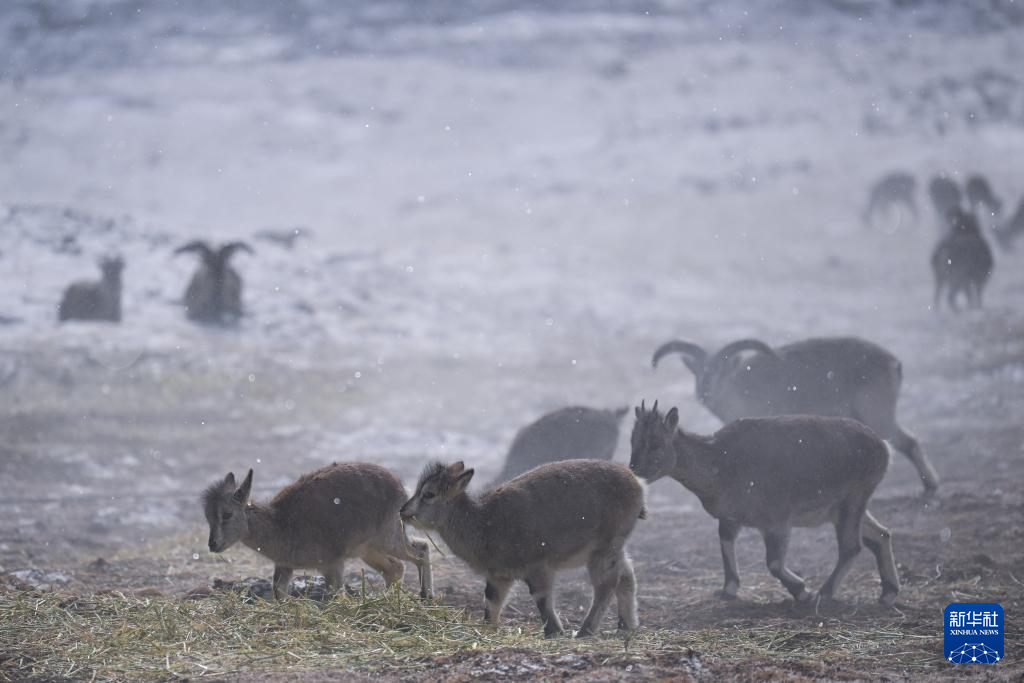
(974, 633)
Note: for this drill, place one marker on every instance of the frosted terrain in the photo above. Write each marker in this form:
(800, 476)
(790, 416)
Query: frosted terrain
(464, 217)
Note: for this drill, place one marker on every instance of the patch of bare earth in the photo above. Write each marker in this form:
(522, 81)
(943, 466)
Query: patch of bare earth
(127, 559)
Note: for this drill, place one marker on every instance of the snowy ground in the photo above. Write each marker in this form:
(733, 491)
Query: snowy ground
(499, 209)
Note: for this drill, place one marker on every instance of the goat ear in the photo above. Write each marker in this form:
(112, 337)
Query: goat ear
(672, 419)
(462, 481)
(456, 467)
(242, 494)
(229, 482)
(636, 411)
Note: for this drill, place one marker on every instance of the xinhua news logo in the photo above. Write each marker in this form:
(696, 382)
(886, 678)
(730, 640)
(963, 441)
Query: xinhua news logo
(974, 633)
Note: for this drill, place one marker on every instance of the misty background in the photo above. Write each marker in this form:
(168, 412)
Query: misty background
(465, 215)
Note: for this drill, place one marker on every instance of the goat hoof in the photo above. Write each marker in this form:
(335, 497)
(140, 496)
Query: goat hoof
(807, 597)
(723, 594)
(623, 627)
(552, 633)
(828, 600)
(585, 633)
(887, 599)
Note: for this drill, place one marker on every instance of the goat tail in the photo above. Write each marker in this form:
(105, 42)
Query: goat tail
(896, 374)
(643, 498)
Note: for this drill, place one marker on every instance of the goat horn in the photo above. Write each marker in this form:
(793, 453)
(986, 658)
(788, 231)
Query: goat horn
(714, 365)
(683, 347)
(739, 346)
(228, 249)
(199, 246)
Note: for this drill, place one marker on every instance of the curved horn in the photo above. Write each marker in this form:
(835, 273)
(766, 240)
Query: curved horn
(741, 345)
(230, 248)
(698, 354)
(737, 347)
(198, 246)
(728, 351)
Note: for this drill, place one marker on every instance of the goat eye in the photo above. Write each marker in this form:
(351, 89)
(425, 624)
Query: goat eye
(227, 515)
(427, 495)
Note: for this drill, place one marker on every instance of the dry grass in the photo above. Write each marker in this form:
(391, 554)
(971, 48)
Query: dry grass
(102, 634)
(114, 636)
